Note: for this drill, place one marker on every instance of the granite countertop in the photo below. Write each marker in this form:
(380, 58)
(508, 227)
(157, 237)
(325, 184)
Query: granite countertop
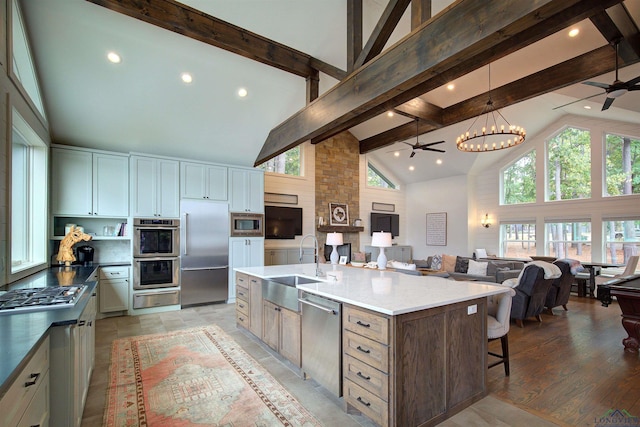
(383, 291)
(22, 332)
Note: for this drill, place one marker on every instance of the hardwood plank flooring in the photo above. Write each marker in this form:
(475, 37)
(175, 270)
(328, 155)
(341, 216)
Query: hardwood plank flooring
(568, 370)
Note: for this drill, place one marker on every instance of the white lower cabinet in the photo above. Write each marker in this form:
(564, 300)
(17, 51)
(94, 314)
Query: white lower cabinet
(72, 358)
(114, 289)
(243, 252)
(26, 402)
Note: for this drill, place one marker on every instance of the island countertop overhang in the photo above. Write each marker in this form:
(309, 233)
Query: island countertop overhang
(383, 291)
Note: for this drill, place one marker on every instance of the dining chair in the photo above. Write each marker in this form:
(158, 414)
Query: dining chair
(498, 318)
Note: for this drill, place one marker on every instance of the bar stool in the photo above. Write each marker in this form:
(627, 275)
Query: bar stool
(498, 318)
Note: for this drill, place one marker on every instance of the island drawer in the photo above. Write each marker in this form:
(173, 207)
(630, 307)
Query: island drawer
(242, 306)
(366, 323)
(370, 352)
(367, 377)
(242, 319)
(243, 293)
(367, 403)
(242, 280)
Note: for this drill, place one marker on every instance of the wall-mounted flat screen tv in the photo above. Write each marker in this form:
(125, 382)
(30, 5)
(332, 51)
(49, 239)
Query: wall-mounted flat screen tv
(387, 222)
(281, 222)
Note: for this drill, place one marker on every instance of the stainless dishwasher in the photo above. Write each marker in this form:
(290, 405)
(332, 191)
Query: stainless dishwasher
(322, 341)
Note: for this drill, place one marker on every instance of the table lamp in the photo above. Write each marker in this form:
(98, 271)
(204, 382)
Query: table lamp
(335, 240)
(381, 240)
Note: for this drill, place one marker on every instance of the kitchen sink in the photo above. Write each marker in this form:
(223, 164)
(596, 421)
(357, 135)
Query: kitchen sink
(293, 280)
(282, 290)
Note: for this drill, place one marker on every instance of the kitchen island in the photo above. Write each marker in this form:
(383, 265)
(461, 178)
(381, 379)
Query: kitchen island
(414, 348)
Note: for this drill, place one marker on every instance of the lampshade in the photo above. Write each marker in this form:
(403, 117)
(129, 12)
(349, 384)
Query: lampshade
(334, 239)
(381, 239)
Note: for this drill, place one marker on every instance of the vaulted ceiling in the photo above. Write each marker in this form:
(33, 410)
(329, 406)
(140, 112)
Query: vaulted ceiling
(313, 69)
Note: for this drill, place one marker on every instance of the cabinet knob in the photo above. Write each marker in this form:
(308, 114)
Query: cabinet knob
(34, 379)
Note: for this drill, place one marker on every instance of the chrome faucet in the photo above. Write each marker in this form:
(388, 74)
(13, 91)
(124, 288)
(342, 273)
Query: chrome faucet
(319, 272)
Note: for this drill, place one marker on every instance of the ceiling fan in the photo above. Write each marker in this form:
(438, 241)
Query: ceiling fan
(614, 90)
(425, 147)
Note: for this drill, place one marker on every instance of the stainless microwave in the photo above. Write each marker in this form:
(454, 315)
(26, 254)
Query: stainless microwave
(245, 224)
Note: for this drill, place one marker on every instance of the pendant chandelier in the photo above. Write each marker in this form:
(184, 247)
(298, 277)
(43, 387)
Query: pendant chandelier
(496, 132)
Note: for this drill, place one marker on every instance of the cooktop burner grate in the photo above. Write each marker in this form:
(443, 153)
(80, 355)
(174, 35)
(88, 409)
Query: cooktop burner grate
(40, 298)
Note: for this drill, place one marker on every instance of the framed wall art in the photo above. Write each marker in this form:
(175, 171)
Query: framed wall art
(437, 229)
(338, 214)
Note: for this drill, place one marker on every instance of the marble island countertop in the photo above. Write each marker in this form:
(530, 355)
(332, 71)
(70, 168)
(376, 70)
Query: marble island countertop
(383, 291)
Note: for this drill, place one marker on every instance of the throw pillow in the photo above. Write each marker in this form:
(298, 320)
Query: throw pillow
(449, 263)
(436, 262)
(422, 263)
(462, 264)
(481, 253)
(477, 268)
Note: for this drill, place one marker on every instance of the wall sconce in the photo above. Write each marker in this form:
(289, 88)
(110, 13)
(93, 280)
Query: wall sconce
(485, 221)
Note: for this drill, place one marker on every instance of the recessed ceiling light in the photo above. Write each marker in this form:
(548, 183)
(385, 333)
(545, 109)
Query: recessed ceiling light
(390, 114)
(242, 92)
(396, 153)
(574, 32)
(439, 161)
(411, 168)
(114, 57)
(587, 107)
(451, 86)
(186, 77)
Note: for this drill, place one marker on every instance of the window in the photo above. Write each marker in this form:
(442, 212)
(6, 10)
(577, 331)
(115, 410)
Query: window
(569, 240)
(518, 240)
(622, 239)
(287, 163)
(622, 165)
(375, 178)
(569, 165)
(519, 181)
(28, 197)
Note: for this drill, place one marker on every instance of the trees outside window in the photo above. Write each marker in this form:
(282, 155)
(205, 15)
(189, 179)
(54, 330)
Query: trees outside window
(569, 165)
(518, 240)
(375, 178)
(622, 165)
(287, 163)
(569, 240)
(622, 239)
(519, 181)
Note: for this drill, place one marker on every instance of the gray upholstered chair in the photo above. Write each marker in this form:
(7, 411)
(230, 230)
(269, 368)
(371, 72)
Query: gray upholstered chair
(498, 319)
(531, 294)
(560, 288)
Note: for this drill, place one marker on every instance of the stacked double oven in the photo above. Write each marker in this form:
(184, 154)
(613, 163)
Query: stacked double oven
(156, 262)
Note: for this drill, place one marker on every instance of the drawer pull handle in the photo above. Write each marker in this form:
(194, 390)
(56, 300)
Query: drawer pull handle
(366, 325)
(363, 350)
(363, 402)
(241, 293)
(241, 305)
(34, 380)
(362, 376)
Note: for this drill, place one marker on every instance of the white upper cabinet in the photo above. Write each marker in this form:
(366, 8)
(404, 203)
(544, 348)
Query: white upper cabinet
(155, 187)
(201, 181)
(246, 190)
(86, 183)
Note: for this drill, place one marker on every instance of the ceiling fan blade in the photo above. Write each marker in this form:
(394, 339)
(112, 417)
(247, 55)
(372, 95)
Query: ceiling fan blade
(637, 87)
(413, 153)
(597, 84)
(423, 146)
(578, 100)
(434, 149)
(632, 82)
(607, 103)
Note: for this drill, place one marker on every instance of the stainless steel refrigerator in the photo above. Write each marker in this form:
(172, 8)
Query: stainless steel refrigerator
(204, 252)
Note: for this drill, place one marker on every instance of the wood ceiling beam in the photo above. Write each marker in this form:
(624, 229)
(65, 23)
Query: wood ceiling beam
(572, 71)
(466, 36)
(616, 25)
(418, 108)
(182, 19)
(420, 12)
(382, 31)
(354, 32)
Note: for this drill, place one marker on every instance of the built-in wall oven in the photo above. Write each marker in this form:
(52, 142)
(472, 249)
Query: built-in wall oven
(156, 261)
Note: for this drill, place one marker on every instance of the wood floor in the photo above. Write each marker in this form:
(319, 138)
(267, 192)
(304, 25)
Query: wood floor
(568, 370)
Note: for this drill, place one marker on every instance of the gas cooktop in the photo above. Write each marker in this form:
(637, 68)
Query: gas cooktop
(33, 299)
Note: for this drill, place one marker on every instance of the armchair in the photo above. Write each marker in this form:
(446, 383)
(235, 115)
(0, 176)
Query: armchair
(531, 293)
(560, 288)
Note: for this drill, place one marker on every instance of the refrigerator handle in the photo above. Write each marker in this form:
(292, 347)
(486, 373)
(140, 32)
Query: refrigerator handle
(222, 267)
(186, 229)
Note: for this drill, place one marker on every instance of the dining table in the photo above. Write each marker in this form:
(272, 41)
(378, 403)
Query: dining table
(594, 270)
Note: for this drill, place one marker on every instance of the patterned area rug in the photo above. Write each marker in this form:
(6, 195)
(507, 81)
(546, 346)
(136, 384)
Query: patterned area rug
(194, 377)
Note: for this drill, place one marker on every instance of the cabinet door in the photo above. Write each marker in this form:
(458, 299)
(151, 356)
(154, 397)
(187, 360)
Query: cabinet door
(143, 186)
(270, 324)
(217, 183)
(290, 330)
(168, 196)
(72, 182)
(110, 185)
(114, 295)
(256, 252)
(192, 181)
(255, 313)
(255, 196)
(276, 257)
(37, 413)
(246, 190)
